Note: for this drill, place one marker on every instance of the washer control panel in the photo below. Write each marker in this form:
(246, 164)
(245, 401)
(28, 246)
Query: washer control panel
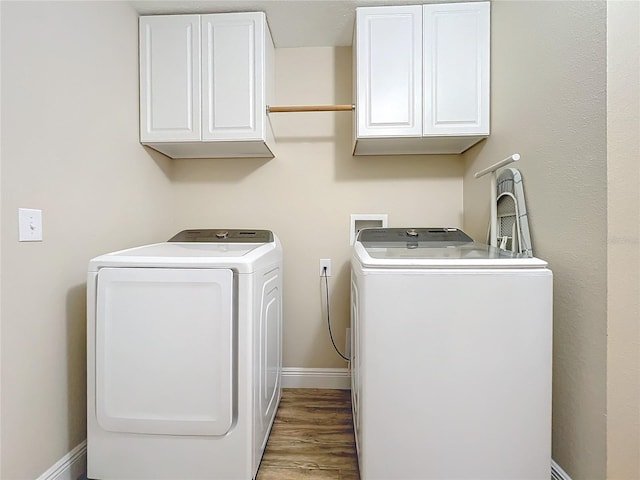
(401, 237)
(223, 235)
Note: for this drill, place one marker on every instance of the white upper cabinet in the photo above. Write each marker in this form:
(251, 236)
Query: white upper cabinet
(422, 78)
(389, 80)
(170, 78)
(204, 85)
(456, 69)
(232, 78)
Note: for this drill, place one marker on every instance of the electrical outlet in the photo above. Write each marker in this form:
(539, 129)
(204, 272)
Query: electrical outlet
(325, 262)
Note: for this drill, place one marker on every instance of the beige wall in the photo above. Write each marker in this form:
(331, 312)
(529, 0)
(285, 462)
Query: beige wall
(623, 157)
(69, 147)
(548, 104)
(308, 191)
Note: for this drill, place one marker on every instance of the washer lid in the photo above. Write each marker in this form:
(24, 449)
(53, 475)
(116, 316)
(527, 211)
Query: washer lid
(432, 248)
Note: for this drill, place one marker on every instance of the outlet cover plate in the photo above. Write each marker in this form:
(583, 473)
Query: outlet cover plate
(325, 262)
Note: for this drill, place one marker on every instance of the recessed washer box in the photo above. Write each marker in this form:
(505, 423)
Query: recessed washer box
(366, 220)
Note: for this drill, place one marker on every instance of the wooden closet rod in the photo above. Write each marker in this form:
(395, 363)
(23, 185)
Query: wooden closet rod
(311, 108)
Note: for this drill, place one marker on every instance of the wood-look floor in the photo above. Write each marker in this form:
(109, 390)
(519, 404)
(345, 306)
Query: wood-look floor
(312, 438)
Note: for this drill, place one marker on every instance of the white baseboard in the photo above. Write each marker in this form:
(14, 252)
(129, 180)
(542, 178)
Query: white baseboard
(70, 467)
(557, 473)
(293, 377)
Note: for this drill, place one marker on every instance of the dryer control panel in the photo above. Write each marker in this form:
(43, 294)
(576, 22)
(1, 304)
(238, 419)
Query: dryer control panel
(223, 235)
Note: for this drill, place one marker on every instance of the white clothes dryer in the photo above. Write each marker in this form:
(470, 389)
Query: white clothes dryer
(184, 342)
(451, 358)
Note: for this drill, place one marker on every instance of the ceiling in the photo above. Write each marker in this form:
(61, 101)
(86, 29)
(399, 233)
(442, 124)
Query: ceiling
(293, 23)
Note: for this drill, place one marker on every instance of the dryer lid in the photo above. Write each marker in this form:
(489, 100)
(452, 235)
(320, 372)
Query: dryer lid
(240, 257)
(188, 250)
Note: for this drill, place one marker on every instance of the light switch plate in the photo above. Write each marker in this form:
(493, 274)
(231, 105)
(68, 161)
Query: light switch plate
(29, 225)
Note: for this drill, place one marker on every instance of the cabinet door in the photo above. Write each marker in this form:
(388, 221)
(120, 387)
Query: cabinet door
(170, 78)
(456, 69)
(388, 70)
(232, 77)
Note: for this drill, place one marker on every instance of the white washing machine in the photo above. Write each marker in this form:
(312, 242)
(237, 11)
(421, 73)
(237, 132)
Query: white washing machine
(184, 343)
(451, 358)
